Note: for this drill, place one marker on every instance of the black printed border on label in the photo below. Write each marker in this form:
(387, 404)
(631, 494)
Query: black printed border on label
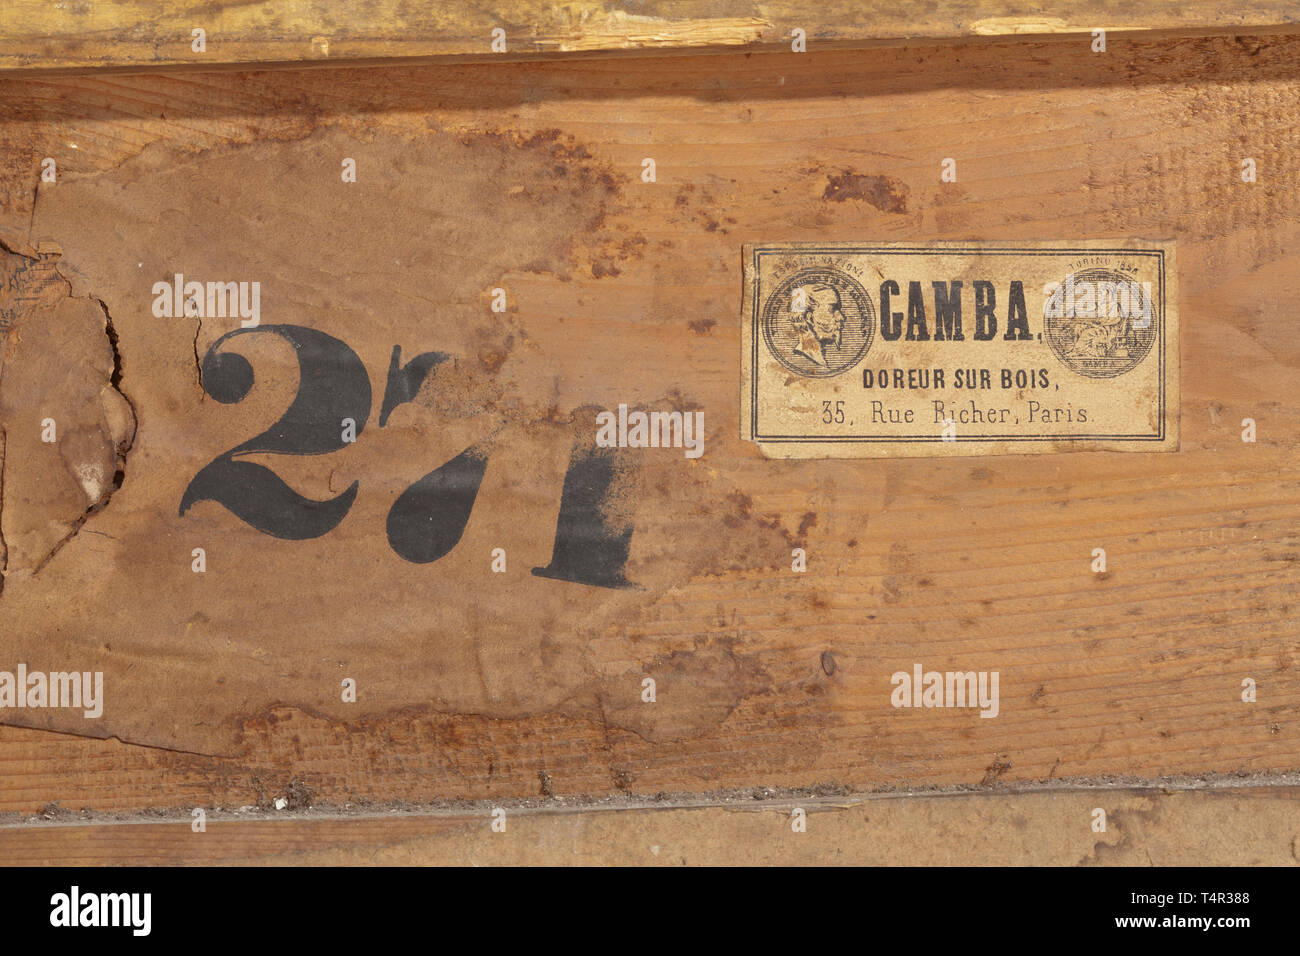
(760, 251)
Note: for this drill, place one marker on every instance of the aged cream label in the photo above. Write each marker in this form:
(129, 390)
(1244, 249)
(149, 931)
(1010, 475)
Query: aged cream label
(859, 350)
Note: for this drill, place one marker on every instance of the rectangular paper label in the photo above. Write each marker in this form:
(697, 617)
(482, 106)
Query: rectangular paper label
(866, 350)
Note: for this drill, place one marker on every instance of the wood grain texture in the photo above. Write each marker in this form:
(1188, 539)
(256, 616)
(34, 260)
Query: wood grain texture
(1250, 827)
(980, 563)
(136, 34)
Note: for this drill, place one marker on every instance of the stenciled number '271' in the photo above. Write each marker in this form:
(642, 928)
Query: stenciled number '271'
(429, 517)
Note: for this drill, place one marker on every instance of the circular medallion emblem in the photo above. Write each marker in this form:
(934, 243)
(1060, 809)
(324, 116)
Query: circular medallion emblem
(819, 322)
(1102, 323)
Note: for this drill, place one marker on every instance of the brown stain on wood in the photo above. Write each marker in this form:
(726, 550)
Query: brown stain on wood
(883, 192)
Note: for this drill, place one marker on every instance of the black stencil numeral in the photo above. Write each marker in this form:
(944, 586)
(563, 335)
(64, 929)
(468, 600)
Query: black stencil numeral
(428, 518)
(333, 385)
(588, 549)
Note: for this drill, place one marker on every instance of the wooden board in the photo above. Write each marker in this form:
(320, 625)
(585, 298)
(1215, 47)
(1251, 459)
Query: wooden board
(142, 34)
(1250, 826)
(222, 688)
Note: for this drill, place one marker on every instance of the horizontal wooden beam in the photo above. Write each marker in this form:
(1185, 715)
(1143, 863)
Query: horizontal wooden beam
(224, 688)
(140, 34)
(1233, 827)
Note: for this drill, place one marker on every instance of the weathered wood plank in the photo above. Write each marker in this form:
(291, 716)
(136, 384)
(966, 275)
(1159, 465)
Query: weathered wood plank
(1251, 827)
(527, 176)
(136, 34)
